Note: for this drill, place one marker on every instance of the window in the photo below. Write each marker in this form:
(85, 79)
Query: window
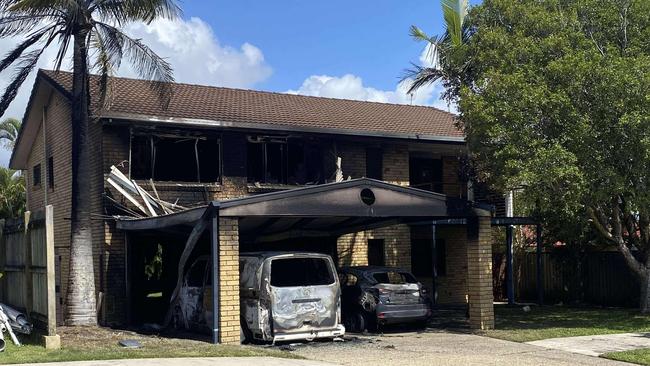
(280, 160)
(376, 252)
(50, 172)
(293, 272)
(374, 163)
(421, 257)
(36, 175)
(168, 157)
(426, 173)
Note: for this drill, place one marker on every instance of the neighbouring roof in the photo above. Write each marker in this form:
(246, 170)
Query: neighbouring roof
(198, 105)
(209, 103)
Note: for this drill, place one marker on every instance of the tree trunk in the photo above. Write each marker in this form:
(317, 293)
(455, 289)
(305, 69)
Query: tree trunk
(81, 303)
(644, 301)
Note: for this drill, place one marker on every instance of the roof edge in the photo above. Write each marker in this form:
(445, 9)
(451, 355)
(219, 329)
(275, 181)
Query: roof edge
(275, 127)
(40, 77)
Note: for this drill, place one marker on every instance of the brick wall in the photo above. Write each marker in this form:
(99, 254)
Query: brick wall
(112, 144)
(352, 249)
(58, 135)
(229, 276)
(479, 273)
(452, 288)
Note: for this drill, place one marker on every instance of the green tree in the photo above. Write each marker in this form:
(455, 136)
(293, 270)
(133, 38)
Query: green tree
(9, 128)
(12, 194)
(554, 98)
(84, 26)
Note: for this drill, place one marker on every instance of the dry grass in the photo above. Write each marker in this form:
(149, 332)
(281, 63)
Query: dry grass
(97, 343)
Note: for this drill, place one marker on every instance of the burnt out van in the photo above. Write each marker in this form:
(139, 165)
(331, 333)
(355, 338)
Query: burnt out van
(289, 296)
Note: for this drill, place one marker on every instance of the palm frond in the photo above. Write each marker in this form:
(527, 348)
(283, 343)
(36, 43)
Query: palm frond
(12, 25)
(106, 61)
(420, 76)
(454, 12)
(125, 11)
(15, 54)
(9, 128)
(146, 62)
(25, 66)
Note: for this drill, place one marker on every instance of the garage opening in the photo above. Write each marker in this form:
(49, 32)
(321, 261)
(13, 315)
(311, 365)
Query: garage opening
(152, 270)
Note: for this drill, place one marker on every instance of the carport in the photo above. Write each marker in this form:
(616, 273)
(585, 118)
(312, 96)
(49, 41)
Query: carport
(318, 211)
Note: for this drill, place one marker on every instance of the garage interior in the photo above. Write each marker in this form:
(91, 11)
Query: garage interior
(303, 219)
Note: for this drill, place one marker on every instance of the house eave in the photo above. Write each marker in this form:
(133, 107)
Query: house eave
(117, 118)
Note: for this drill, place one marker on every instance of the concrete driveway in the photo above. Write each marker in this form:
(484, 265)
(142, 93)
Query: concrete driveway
(436, 347)
(598, 344)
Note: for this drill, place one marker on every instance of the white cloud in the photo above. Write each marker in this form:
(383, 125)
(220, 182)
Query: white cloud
(351, 86)
(191, 47)
(198, 57)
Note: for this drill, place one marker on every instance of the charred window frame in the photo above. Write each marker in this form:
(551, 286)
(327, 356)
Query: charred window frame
(176, 157)
(426, 173)
(283, 160)
(374, 163)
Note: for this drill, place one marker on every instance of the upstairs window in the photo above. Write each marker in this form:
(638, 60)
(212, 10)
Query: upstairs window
(36, 175)
(175, 158)
(426, 173)
(280, 160)
(374, 163)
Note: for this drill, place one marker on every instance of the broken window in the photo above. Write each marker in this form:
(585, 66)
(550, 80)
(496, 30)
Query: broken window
(175, 158)
(426, 173)
(281, 160)
(293, 272)
(374, 163)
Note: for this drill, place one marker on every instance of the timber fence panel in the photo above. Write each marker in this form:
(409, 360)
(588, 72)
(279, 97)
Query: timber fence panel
(27, 262)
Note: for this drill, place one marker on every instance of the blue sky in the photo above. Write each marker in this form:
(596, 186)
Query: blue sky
(343, 49)
(302, 38)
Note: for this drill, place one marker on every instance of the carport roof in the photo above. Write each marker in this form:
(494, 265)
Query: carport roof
(337, 208)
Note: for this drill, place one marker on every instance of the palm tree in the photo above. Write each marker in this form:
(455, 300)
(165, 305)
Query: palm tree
(442, 49)
(9, 128)
(93, 29)
(12, 194)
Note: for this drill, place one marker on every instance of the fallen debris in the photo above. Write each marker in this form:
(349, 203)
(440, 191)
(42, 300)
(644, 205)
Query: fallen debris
(146, 204)
(130, 343)
(10, 320)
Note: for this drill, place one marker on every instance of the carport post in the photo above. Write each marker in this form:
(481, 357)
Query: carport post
(510, 283)
(434, 274)
(214, 238)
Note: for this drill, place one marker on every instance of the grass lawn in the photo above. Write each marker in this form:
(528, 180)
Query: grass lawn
(93, 343)
(640, 356)
(513, 324)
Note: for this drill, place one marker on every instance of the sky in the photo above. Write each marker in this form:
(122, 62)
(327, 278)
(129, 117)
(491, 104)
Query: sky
(342, 49)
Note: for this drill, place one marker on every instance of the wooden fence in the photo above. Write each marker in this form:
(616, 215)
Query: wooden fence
(598, 278)
(27, 263)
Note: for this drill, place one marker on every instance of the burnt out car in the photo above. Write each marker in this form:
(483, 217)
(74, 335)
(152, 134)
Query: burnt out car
(289, 296)
(374, 296)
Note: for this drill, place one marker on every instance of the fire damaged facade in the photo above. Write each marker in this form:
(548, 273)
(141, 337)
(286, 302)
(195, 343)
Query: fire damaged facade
(233, 171)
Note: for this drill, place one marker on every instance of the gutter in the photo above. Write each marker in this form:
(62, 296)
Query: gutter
(205, 123)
